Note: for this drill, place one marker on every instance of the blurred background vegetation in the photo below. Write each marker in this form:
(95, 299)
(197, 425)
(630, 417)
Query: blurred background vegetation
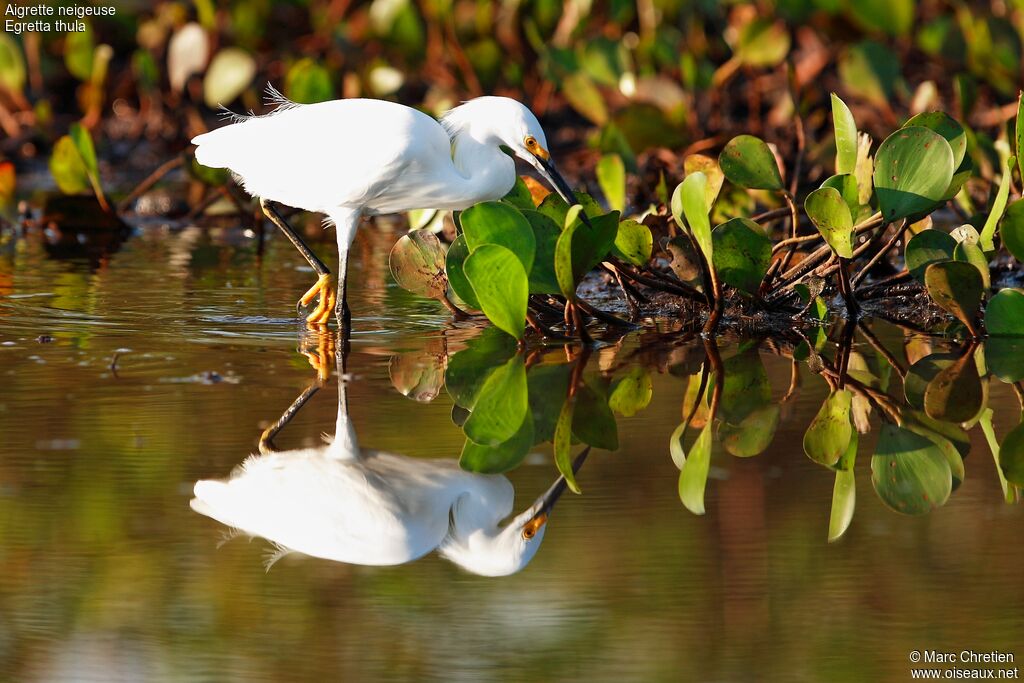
(651, 80)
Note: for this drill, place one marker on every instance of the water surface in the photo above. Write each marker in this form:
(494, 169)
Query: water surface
(126, 380)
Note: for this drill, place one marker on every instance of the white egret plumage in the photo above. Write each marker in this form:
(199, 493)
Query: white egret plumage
(360, 157)
(345, 503)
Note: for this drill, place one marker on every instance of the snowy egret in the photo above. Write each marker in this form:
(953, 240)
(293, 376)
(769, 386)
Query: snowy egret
(360, 157)
(340, 502)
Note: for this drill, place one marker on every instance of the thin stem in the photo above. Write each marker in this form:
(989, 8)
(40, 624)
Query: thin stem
(881, 253)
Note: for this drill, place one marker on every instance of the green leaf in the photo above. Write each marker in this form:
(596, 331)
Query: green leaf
(455, 262)
(469, 368)
(690, 200)
(500, 224)
(501, 287)
(946, 126)
(752, 435)
(693, 476)
(418, 264)
(307, 82)
(957, 287)
(844, 500)
(913, 168)
(632, 393)
(12, 64)
(1004, 315)
(831, 216)
(871, 71)
(846, 185)
(920, 375)
(988, 232)
(828, 436)
(581, 247)
(548, 385)
(230, 72)
(503, 457)
(501, 405)
(762, 43)
(695, 163)
(1012, 230)
(746, 388)
(583, 96)
(546, 233)
(519, 196)
(83, 143)
(909, 472)
(593, 422)
(611, 176)
(562, 444)
(742, 254)
(67, 168)
(748, 162)
(1005, 355)
(972, 253)
(633, 242)
(78, 52)
(555, 208)
(846, 136)
(1011, 456)
(955, 394)
(925, 248)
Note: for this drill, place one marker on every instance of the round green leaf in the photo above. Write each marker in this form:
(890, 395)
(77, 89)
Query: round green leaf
(742, 254)
(502, 457)
(308, 82)
(1004, 315)
(78, 52)
(632, 393)
(913, 168)
(748, 162)
(920, 375)
(545, 234)
(955, 394)
(909, 472)
(828, 436)
(67, 168)
(583, 96)
(972, 253)
(946, 126)
(925, 248)
(1011, 456)
(831, 216)
(519, 196)
(957, 287)
(752, 435)
(501, 224)
(1012, 229)
(870, 70)
(761, 43)
(501, 287)
(633, 242)
(1004, 356)
(501, 406)
(230, 72)
(455, 262)
(418, 264)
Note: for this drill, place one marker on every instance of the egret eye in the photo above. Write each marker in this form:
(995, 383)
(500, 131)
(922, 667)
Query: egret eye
(528, 533)
(531, 142)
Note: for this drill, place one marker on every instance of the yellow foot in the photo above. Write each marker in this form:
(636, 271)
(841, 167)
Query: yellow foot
(327, 289)
(320, 354)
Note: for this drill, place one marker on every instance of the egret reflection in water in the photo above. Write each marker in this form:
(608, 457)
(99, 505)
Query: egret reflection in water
(345, 503)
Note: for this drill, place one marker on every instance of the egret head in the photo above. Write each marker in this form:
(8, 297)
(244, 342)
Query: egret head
(507, 550)
(512, 125)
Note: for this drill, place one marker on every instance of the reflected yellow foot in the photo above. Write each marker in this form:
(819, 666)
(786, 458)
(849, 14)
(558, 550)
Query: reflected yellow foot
(327, 289)
(322, 356)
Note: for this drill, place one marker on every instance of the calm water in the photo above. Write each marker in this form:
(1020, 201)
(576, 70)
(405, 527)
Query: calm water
(126, 381)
